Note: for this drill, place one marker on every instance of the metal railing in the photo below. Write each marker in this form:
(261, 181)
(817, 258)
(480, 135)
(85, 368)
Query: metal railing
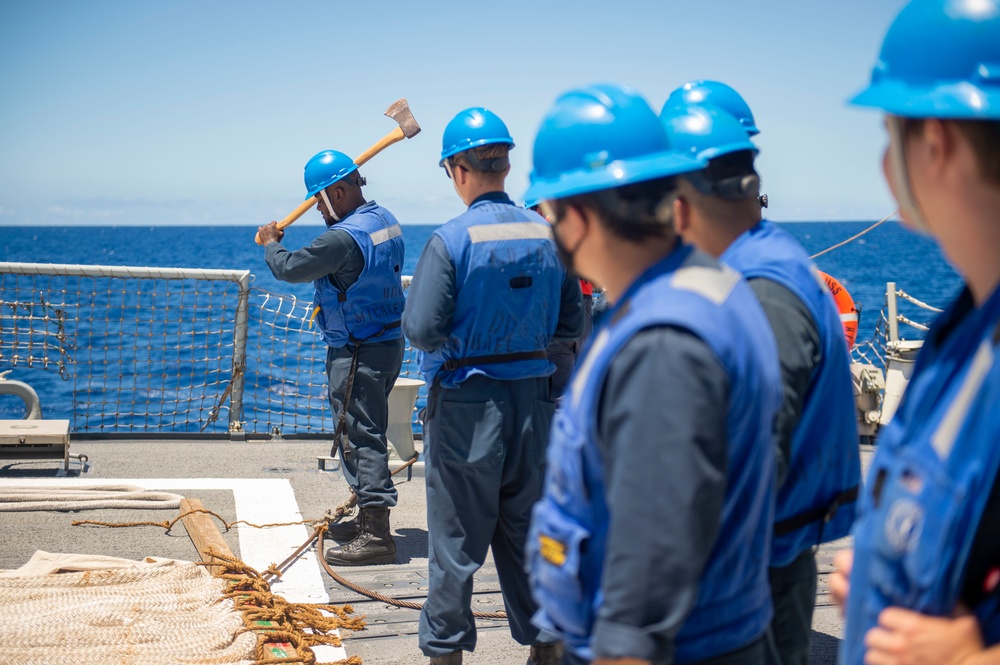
(886, 339)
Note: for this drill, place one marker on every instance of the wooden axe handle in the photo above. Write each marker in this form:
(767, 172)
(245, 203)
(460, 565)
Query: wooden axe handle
(298, 212)
(395, 136)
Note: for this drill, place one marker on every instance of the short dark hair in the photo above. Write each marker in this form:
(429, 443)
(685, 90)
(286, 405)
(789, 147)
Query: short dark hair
(634, 212)
(984, 137)
(489, 162)
(729, 177)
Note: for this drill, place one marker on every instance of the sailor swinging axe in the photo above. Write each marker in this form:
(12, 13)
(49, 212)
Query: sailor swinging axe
(407, 128)
(355, 267)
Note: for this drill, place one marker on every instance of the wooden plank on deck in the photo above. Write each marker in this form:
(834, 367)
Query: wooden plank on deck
(203, 532)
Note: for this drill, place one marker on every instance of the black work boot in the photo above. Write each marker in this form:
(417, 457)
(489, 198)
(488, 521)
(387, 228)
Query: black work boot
(454, 658)
(373, 545)
(344, 531)
(546, 654)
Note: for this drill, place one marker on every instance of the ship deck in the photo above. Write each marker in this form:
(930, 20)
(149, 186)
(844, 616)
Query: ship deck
(272, 482)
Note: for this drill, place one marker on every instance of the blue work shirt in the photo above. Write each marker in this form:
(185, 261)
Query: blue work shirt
(429, 317)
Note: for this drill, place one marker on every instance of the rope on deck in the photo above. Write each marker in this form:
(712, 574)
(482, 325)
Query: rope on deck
(22, 499)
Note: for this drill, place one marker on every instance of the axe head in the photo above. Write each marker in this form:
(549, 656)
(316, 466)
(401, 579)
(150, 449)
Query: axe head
(400, 112)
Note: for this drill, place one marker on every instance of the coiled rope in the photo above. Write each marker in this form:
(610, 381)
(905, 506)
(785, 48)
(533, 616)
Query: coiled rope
(18, 499)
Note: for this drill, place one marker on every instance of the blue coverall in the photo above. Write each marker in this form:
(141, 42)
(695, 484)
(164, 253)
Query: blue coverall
(336, 254)
(485, 449)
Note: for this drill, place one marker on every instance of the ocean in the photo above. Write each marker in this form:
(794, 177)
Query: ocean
(887, 253)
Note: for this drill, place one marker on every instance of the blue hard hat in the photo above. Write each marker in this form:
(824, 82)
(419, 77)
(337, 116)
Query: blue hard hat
(599, 137)
(940, 59)
(705, 131)
(717, 94)
(326, 168)
(472, 128)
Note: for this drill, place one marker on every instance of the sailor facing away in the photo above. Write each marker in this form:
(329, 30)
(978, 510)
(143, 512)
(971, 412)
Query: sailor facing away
(819, 466)
(652, 540)
(488, 296)
(355, 266)
(926, 540)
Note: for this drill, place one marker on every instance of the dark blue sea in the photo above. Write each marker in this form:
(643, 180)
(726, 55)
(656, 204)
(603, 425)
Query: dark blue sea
(888, 253)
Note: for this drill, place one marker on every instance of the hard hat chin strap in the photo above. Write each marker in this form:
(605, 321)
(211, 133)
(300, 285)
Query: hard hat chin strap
(329, 207)
(900, 174)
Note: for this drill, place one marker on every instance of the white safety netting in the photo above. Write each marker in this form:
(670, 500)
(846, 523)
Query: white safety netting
(154, 350)
(84, 610)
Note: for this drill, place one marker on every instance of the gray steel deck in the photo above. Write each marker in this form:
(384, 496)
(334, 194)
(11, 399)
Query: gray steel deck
(214, 468)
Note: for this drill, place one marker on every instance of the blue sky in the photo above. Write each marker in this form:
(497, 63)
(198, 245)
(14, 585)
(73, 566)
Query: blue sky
(205, 112)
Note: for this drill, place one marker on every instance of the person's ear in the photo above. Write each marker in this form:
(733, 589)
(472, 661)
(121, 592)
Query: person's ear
(574, 225)
(462, 175)
(940, 142)
(682, 215)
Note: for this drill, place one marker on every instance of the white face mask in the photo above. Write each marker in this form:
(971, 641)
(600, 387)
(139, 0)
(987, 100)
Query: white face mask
(329, 207)
(900, 175)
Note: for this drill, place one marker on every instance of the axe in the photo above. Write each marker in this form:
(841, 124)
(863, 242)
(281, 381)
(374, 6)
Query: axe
(407, 129)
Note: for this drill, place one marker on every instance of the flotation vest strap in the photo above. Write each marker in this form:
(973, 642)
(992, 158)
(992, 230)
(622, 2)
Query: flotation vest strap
(796, 522)
(386, 328)
(454, 363)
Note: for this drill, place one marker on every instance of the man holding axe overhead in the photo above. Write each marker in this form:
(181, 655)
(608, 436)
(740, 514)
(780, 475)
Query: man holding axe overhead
(355, 266)
(487, 298)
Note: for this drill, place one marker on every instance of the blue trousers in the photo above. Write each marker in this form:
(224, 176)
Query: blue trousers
(485, 453)
(366, 468)
(793, 591)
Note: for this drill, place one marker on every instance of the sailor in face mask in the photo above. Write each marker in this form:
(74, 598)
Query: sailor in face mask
(356, 267)
(488, 296)
(651, 541)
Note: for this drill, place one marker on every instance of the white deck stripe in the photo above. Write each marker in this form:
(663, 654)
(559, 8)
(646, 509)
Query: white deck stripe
(260, 501)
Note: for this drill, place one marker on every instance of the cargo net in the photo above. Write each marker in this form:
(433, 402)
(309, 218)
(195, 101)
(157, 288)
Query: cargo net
(156, 616)
(147, 350)
(876, 349)
(104, 611)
